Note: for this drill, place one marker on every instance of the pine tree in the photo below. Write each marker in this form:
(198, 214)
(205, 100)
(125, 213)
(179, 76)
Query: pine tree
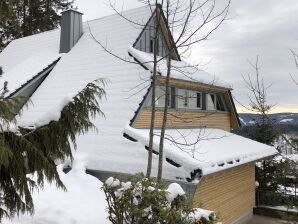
(264, 132)
(24, 151)
(21, 18)
(9, 26)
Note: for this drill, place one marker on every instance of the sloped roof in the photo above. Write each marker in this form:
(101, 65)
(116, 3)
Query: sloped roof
(207, 149)
(127, 84)
(179, 69)
(24, 58)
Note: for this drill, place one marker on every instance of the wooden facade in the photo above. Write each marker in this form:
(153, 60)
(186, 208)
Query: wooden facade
(185, 119)
(231, 193)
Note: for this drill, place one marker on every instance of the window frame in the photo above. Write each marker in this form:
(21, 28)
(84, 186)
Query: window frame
(175, 97)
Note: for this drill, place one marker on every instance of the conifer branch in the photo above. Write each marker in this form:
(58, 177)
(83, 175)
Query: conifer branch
(35, 151)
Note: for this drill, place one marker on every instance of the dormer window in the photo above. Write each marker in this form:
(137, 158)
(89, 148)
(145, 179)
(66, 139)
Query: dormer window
(187, 99)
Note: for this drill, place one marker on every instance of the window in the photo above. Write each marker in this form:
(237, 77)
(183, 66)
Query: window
(189, 99)
(211, 101)
(215, 102)
(151, 46)
(160, 97)
(183, 98)
(220, 103)
(199, 100)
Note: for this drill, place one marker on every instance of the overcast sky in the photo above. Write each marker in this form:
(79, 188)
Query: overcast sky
(267, 28)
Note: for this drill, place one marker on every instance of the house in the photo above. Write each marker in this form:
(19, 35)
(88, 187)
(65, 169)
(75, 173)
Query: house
(215, 166)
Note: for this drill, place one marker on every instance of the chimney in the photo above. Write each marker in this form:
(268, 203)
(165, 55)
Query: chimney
(71, 29)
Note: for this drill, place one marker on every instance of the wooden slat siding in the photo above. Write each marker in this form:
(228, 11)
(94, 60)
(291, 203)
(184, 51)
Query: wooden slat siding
(231, 193)
(184, 119)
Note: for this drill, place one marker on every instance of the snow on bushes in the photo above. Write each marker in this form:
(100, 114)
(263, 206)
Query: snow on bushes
(144, 201)
(174, 190)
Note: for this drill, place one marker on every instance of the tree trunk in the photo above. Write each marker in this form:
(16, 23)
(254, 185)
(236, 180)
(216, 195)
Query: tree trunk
(152, 123)
(164, 120)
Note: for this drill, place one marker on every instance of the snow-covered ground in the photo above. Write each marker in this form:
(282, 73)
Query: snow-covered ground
(82, 203)
(286, 120)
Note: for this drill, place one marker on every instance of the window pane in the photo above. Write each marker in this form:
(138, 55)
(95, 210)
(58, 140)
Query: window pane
(173, 97)
(211, 101)
(182, 98)
(192, 99)
(199, 100)
(160, 97)
(219, 103)
(151, 46)
(189, 99)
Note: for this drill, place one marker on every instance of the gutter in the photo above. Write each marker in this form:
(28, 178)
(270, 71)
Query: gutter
(232, 167)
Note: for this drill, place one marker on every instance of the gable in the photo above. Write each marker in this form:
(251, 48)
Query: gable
(145, 41)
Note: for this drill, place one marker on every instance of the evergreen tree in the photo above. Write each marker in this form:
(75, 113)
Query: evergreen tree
(9, 26)
(264, 132)
(24, 151)
(20, 18)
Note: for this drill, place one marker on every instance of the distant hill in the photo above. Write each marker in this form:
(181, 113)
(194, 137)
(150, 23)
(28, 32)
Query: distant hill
(248, 119)
(287, 123)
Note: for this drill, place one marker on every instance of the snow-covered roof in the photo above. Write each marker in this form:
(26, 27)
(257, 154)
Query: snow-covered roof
(24, 58)
(179, 69)
(26, 70)
(210, 150)
(87, 61)
(107, 149)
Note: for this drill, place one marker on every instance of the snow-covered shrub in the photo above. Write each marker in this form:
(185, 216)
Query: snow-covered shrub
(144, 201)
